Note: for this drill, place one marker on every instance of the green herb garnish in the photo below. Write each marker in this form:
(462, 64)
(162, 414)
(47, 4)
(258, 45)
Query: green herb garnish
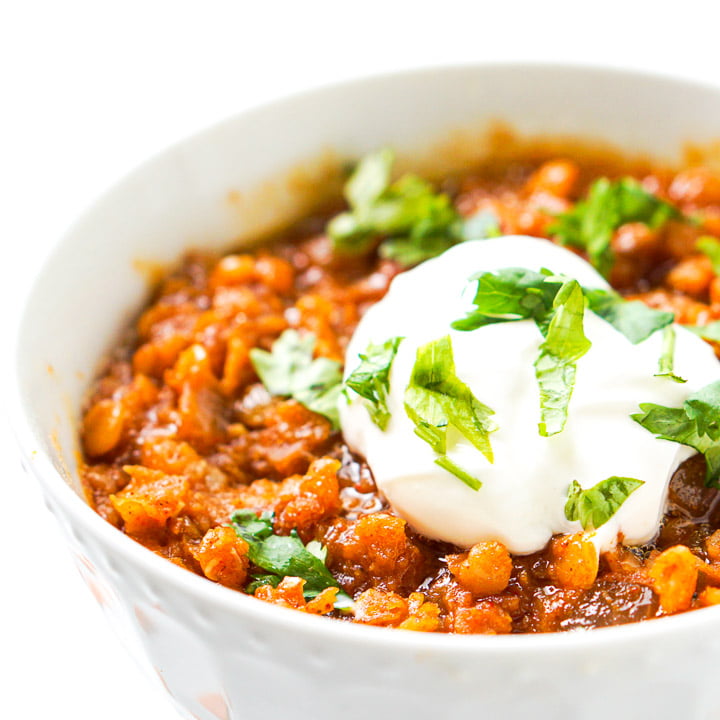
(412, 251)
(436, 399)
(633, 318)
(596, 505)
(447, 464)
(555, 368)
(557, 306)
(413, 221)
(695, 424)
(370, 179)
(481, 226)
(667, 357)
(289, 370)
(511, 294)
(284, 556)
(710, 247)
(520, 294)
(371, 379)
(609, 204)
(706, 332)
(354, 231)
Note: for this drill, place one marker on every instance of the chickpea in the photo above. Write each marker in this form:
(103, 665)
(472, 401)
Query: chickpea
(223, 557)
(634, 239)
(275, 272)
(556, 177)
(103, 427)
(423, 616)
(380, 607)
(696, 185)
(233, 270)
(574, 561)
(485, 618)
(484, 570)
(692, 275)
(674, 574)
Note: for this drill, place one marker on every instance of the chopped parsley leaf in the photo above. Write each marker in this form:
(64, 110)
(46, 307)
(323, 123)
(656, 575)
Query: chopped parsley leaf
(596, 505)
(290, 370)
(695, 424)
(565, 343)
(370, 179)
(667, 357)
(436, 399)
(481, 226)
(590, 224)
(371, 378)
(511, 294)
(413, 251)
(706, 332)
(284, 556)
(633, 318)
(447, 464)
(519, 294)
(409, 217)
(557, 306)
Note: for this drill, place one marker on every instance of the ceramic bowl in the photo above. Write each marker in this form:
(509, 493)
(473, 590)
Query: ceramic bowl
(223, 655)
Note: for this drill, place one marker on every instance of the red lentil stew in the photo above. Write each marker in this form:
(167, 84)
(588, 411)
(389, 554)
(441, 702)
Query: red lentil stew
(188, 453)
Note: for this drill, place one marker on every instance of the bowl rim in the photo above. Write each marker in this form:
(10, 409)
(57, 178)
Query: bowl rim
(37, 462)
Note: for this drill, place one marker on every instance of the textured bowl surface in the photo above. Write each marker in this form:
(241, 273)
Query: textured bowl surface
(223, 655)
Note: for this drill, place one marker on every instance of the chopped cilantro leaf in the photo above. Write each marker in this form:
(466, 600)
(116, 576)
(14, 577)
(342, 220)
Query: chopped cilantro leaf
(481, 226)
(633, 318)
(371, 379)
(565, 343)
(710, 247)
(706, 332)
(667, 357)
(447, 464)
(284, 556)
(596, 505)
(557, 307)
(695, 424)
(412, 251)
(510, 294)
(259, 580)
(437, 399)
(609, 204)
(252, 527)
(412, 220)
(350, 231)
(289, 370)
(519, 294)
(370, 179)
(317, 549)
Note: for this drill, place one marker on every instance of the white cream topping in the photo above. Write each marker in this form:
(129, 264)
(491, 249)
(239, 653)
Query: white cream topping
(522, 499)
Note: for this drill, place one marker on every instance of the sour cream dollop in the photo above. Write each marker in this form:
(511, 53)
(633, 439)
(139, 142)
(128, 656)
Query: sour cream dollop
(522, 499)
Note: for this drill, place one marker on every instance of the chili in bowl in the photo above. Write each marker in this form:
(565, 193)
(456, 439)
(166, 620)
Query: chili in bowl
(474, 394)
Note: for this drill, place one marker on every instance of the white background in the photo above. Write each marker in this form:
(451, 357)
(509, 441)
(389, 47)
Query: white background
(90, 89)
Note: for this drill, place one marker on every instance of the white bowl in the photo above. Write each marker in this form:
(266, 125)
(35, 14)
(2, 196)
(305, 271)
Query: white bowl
(225, 655)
